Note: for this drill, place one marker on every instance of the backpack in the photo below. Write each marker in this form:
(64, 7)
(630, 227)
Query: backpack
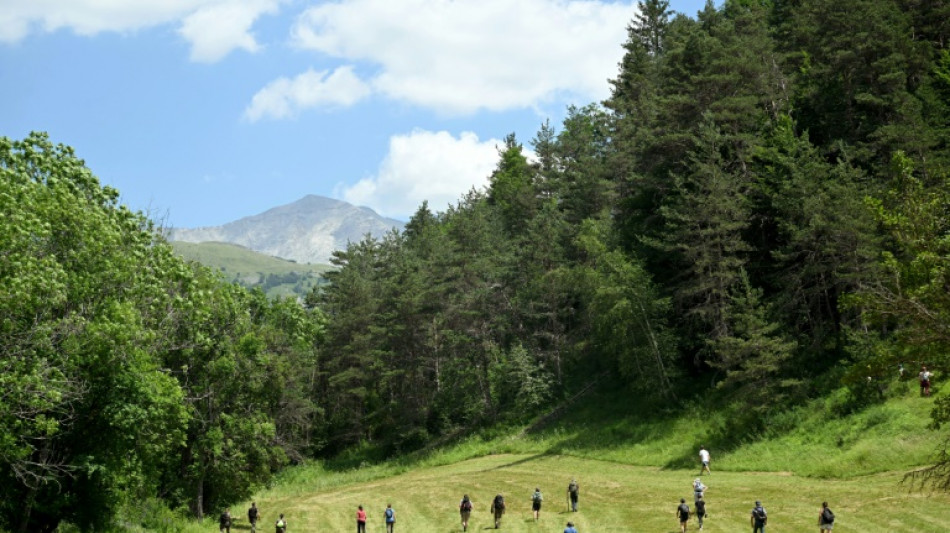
(572, 488)
(759, 514)
(499, 502)
(389, 514)
(827, 516)
(466, 505)
(684, 511)
(536, 497)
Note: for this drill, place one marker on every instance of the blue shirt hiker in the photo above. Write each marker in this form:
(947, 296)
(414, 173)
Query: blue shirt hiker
(570, 528)
(390, 516)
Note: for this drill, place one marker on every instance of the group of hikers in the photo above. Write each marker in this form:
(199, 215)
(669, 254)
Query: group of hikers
(758, 518)
(498, 507)
(224, 521)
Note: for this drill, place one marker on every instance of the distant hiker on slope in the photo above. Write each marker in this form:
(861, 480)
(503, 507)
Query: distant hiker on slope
(536, 500)
(360, 520)
(281, 524)
(390, 516)
(704, 460)
(682, 512)
(498, 509)
(573, 490)
(758, 518)
(465, 509)
(826, 518)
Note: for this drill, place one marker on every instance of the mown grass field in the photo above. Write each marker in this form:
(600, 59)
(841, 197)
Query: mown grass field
(634, 464)
(614, 498)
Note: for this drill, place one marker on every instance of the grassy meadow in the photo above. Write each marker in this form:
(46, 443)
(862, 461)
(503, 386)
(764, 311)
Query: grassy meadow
(634, 463)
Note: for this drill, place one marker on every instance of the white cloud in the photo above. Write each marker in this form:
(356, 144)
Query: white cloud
(425, 165)
(460, 56)
(213, 27)
(284, 97)
(215, 30)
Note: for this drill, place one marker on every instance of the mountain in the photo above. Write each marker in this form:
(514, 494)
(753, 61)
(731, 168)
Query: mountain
(307, 231)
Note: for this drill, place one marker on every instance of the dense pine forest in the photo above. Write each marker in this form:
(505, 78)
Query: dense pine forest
(760, 212)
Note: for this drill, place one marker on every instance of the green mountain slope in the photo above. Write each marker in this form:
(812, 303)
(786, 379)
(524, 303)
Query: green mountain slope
(278, 277)
(635, 462)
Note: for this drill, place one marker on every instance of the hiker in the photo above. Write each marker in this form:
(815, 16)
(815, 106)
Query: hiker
(498, 509)
(758, 518)
(252, 514)
(224, 521)
(704, 460)
(573, 490)
(682, 512)
(699, 490)
(536, 500)
(826, 518)
(924, 377)
(390, 517)
(360, 520)
(570, 528)
(281, 524)
(465, 509)
(700, 508)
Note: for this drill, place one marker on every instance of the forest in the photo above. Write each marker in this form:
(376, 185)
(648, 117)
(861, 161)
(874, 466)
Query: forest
(760, 210)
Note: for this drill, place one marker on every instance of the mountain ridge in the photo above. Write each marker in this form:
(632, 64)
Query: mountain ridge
(308, 230)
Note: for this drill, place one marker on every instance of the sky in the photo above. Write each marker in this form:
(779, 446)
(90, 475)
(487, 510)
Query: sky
(201, 112)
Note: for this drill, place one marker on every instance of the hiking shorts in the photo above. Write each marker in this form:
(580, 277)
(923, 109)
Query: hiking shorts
(465, 515)
(535, 506)
(826, 527)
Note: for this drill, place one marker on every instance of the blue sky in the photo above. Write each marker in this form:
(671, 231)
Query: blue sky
(201, 112)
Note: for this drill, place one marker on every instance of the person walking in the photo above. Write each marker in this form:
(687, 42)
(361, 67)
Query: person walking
(700, 509)
(826, 518)
(281, 524)
(682, 512)
(573, 491)
(536, 500)
(360, 520)
(252, 515)
(390, 517)
(224, 521)
(465, 510)
(704, 460)
(498, 509)
(758, 518)
(699, 490)
(570, 528)
(924, 378)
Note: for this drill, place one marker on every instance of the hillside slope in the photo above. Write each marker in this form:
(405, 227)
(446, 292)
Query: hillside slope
(278, 277)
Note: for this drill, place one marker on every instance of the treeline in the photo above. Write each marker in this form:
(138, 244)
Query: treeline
(127, 373)
(760, 207)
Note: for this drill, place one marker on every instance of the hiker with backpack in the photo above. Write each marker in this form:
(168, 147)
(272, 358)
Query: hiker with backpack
(224, 521)
(699, 490)
(252, 515)
(700, 508)
(758, 518)
(536, 500)
(465, 509)
(390, 516)
(573, 490)
(682, 512)
(498, 509)
(826, 518)
(360, 520)
(281, 524)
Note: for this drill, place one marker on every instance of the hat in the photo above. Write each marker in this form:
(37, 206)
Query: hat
(758, 503)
